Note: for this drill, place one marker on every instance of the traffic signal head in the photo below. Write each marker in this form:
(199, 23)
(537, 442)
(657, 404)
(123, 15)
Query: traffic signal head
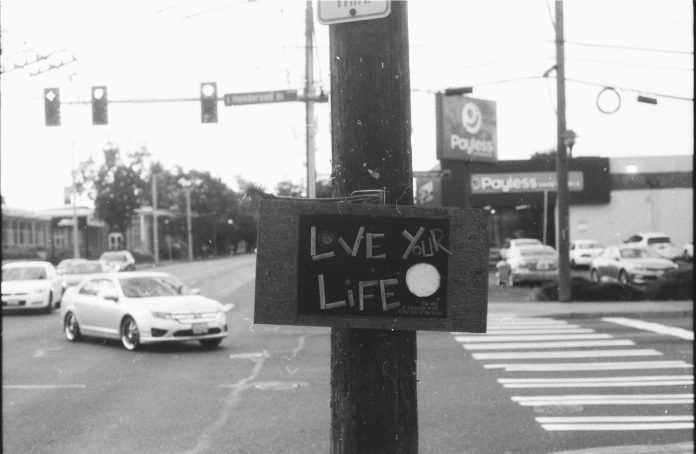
(52, 106)
(100, 106)
(209, 102)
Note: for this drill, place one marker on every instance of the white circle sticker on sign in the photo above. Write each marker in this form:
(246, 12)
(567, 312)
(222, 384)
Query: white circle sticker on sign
(423, 279)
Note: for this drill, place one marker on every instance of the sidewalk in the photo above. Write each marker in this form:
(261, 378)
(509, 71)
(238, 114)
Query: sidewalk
(642, 309)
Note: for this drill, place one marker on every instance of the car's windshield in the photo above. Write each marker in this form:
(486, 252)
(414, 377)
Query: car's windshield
(115, 256)
(28, 273)
(589, 246)
(659, 240)
(635, 253)
(85, 268)
(152, 286)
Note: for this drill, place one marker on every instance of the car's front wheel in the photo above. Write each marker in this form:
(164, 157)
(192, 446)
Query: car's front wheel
(594, 276)
(130, 335)
(71, 328)
(623, 278)
(209, 343)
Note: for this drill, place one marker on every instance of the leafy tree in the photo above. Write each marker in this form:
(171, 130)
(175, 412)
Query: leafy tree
(287, 188)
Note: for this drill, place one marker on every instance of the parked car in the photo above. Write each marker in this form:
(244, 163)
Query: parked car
(30, 285)
(657, 241)
(514, 242)
(582, 252)
(141, 307)
(629, 264)
(688, 251)
(120, 260)
(72, 272)
(528, 264)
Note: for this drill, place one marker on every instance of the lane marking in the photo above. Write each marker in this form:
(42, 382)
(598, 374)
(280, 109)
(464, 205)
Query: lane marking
(650, 326)
(578, 419)
(596, 379)
(556, 344)
(528, 331)
(618, 426)
(622, 365)
(609, 384)
(604, 399)
(532, 337)
(567, 354)
(43, 386)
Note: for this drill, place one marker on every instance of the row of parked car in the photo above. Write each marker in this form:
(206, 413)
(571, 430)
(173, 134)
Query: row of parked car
(107, 298)
(642, 258)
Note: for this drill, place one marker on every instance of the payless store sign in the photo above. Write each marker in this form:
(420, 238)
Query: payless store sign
(497, 183)
(466, 129)
(371, 266)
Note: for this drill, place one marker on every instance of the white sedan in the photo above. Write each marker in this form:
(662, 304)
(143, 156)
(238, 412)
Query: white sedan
(30, 285)
(141, 307)
(582, 252)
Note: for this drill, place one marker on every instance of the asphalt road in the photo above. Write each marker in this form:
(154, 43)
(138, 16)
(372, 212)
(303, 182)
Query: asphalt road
(266, 388)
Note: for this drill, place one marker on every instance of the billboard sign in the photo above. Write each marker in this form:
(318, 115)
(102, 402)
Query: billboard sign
(498, 183)
(466, 129)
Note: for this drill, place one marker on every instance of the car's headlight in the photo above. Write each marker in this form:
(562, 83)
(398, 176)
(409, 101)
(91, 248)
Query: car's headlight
(221, 314)
(163, 315)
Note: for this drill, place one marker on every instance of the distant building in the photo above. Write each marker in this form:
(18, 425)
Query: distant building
(610, 198)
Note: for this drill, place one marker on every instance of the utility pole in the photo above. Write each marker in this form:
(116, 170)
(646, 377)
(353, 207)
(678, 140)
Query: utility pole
(373, 371)
(561, 164)
(189, 233)
(155, 239)
(310, 120)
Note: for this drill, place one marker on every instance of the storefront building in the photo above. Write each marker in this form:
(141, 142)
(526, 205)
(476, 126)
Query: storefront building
(610, 198)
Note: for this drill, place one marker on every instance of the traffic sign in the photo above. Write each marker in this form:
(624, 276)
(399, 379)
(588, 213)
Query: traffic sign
(336, 12)
(371, 266)
(260, 97)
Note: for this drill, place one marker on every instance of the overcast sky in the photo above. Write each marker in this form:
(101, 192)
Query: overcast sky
(165, 49)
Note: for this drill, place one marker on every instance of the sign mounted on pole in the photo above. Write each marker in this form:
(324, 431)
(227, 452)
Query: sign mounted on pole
(337, 12)
(371, 266)
(260, 97)
(466, 129)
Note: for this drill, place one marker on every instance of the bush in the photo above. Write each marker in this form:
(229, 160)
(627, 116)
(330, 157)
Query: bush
(582, 289)
(675, 285)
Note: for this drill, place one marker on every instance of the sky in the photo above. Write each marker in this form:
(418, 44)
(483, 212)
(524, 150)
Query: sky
(163, 49)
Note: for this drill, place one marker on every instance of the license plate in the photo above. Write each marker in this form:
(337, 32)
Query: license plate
(199, 328)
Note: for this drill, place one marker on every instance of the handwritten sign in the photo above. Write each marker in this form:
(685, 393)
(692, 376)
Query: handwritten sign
(371, 266)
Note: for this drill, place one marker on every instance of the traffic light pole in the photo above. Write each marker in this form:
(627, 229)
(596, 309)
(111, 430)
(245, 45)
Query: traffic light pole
(562, 164)
(373, 371)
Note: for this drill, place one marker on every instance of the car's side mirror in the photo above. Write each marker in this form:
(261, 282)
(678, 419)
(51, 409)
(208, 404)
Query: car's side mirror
(110, 296)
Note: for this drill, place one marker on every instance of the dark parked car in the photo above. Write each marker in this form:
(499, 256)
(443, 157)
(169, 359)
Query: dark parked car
(120, 260)
(629, 265)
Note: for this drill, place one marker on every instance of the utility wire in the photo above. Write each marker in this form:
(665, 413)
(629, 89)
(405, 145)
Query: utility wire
(642, 49)
(625, 63)
(643, 92)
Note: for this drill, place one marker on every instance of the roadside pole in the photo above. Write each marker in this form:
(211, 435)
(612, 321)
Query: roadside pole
(373, 371)
(310, 120)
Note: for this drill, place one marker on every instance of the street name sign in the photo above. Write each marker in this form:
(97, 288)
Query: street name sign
(337, 12)
(371, 266)
(259, 97)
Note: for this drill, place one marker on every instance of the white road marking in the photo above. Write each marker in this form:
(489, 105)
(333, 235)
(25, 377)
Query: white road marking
(650, 326)
(596, 379)
(531, 331)
(622, 365)
(581, 419)
(531, 337)
(43, 386)
(604, 399)
(567, 354)
(555, 344)
(618, 426)
(558, 325)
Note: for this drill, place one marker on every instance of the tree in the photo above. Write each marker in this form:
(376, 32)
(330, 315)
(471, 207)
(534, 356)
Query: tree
(287, 188)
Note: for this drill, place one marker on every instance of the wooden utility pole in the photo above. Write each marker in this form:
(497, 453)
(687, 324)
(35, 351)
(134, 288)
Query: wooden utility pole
(373, 372)
(562, 164)
(309, 103)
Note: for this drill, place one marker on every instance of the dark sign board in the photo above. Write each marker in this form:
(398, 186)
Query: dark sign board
(261, 97)
(466, 129)
(371, 266)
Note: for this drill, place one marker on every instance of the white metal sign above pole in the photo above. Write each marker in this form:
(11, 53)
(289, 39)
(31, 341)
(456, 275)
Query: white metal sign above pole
(336, 12)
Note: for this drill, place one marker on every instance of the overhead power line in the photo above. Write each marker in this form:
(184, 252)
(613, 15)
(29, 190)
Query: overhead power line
(642, 49)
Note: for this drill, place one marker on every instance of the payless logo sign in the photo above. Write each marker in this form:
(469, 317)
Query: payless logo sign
(468, 130)
(528, 182)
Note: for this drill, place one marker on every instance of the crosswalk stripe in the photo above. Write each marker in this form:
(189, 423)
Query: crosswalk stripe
(531, 337)
(537, 326)
(646, 397)
(654, 327)
(621, 384)
(620, 365)
(596, 379)
(554, 344)
(490, 332)
(618, 426)
(586, 419)
(567, 354)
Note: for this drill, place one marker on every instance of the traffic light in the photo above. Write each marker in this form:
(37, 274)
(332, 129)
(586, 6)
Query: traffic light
(208, 102)
(52, 106)
(100, 106)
